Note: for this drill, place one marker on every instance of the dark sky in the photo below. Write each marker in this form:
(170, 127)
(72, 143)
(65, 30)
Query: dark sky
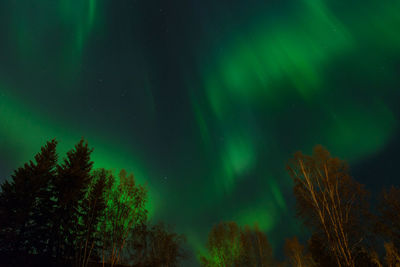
(205, 100)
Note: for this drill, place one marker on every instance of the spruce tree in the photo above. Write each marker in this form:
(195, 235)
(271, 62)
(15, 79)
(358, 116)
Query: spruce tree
(72, 183)
(26, 203)
(94, 204)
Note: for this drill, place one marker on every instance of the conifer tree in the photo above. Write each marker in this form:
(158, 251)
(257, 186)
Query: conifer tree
(72, 183)
(88, 243)
(26, 204)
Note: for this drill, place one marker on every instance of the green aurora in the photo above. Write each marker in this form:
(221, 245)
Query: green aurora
(203, 101)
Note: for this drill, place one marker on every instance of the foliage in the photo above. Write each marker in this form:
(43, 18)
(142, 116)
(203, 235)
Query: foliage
(296, 255)
(392, 257)
(94, 205)
(388, 224)
(125, 210)
(26, 205)
(331, 203)
(71, 186)
(230, 245)
(67, 214)
(156, 245)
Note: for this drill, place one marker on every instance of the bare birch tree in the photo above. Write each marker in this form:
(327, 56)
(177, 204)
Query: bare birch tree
(296, 254)
(126, 209)
(232, 245)
(330, 202)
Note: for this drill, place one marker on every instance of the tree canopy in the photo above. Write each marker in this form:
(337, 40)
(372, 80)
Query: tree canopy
(66, 213)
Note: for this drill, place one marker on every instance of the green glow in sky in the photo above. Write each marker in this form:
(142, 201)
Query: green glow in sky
(364, 132)
(29, 131)
(205, 102)
(239, 157)
(295, 51)
(274, 65)
(52, 32)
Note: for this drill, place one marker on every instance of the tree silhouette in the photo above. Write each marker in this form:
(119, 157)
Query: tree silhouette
(256, 248)
(125, 210)
(296, 255)
(387, 227)
(93, 212)
(156, 245)
(224, 246)
(388, 224)
(320, 251)
(392, 257)
(331, 203)
(230, 245)
(72, 183)
(26, 205)
(68, 214)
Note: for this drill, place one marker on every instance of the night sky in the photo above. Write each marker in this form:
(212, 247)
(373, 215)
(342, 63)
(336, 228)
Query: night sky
(205, 101)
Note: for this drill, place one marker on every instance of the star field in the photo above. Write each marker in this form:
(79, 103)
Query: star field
(203, 100)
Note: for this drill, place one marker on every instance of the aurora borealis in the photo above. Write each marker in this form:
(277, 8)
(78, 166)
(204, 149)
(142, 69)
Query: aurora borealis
(204, 100)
